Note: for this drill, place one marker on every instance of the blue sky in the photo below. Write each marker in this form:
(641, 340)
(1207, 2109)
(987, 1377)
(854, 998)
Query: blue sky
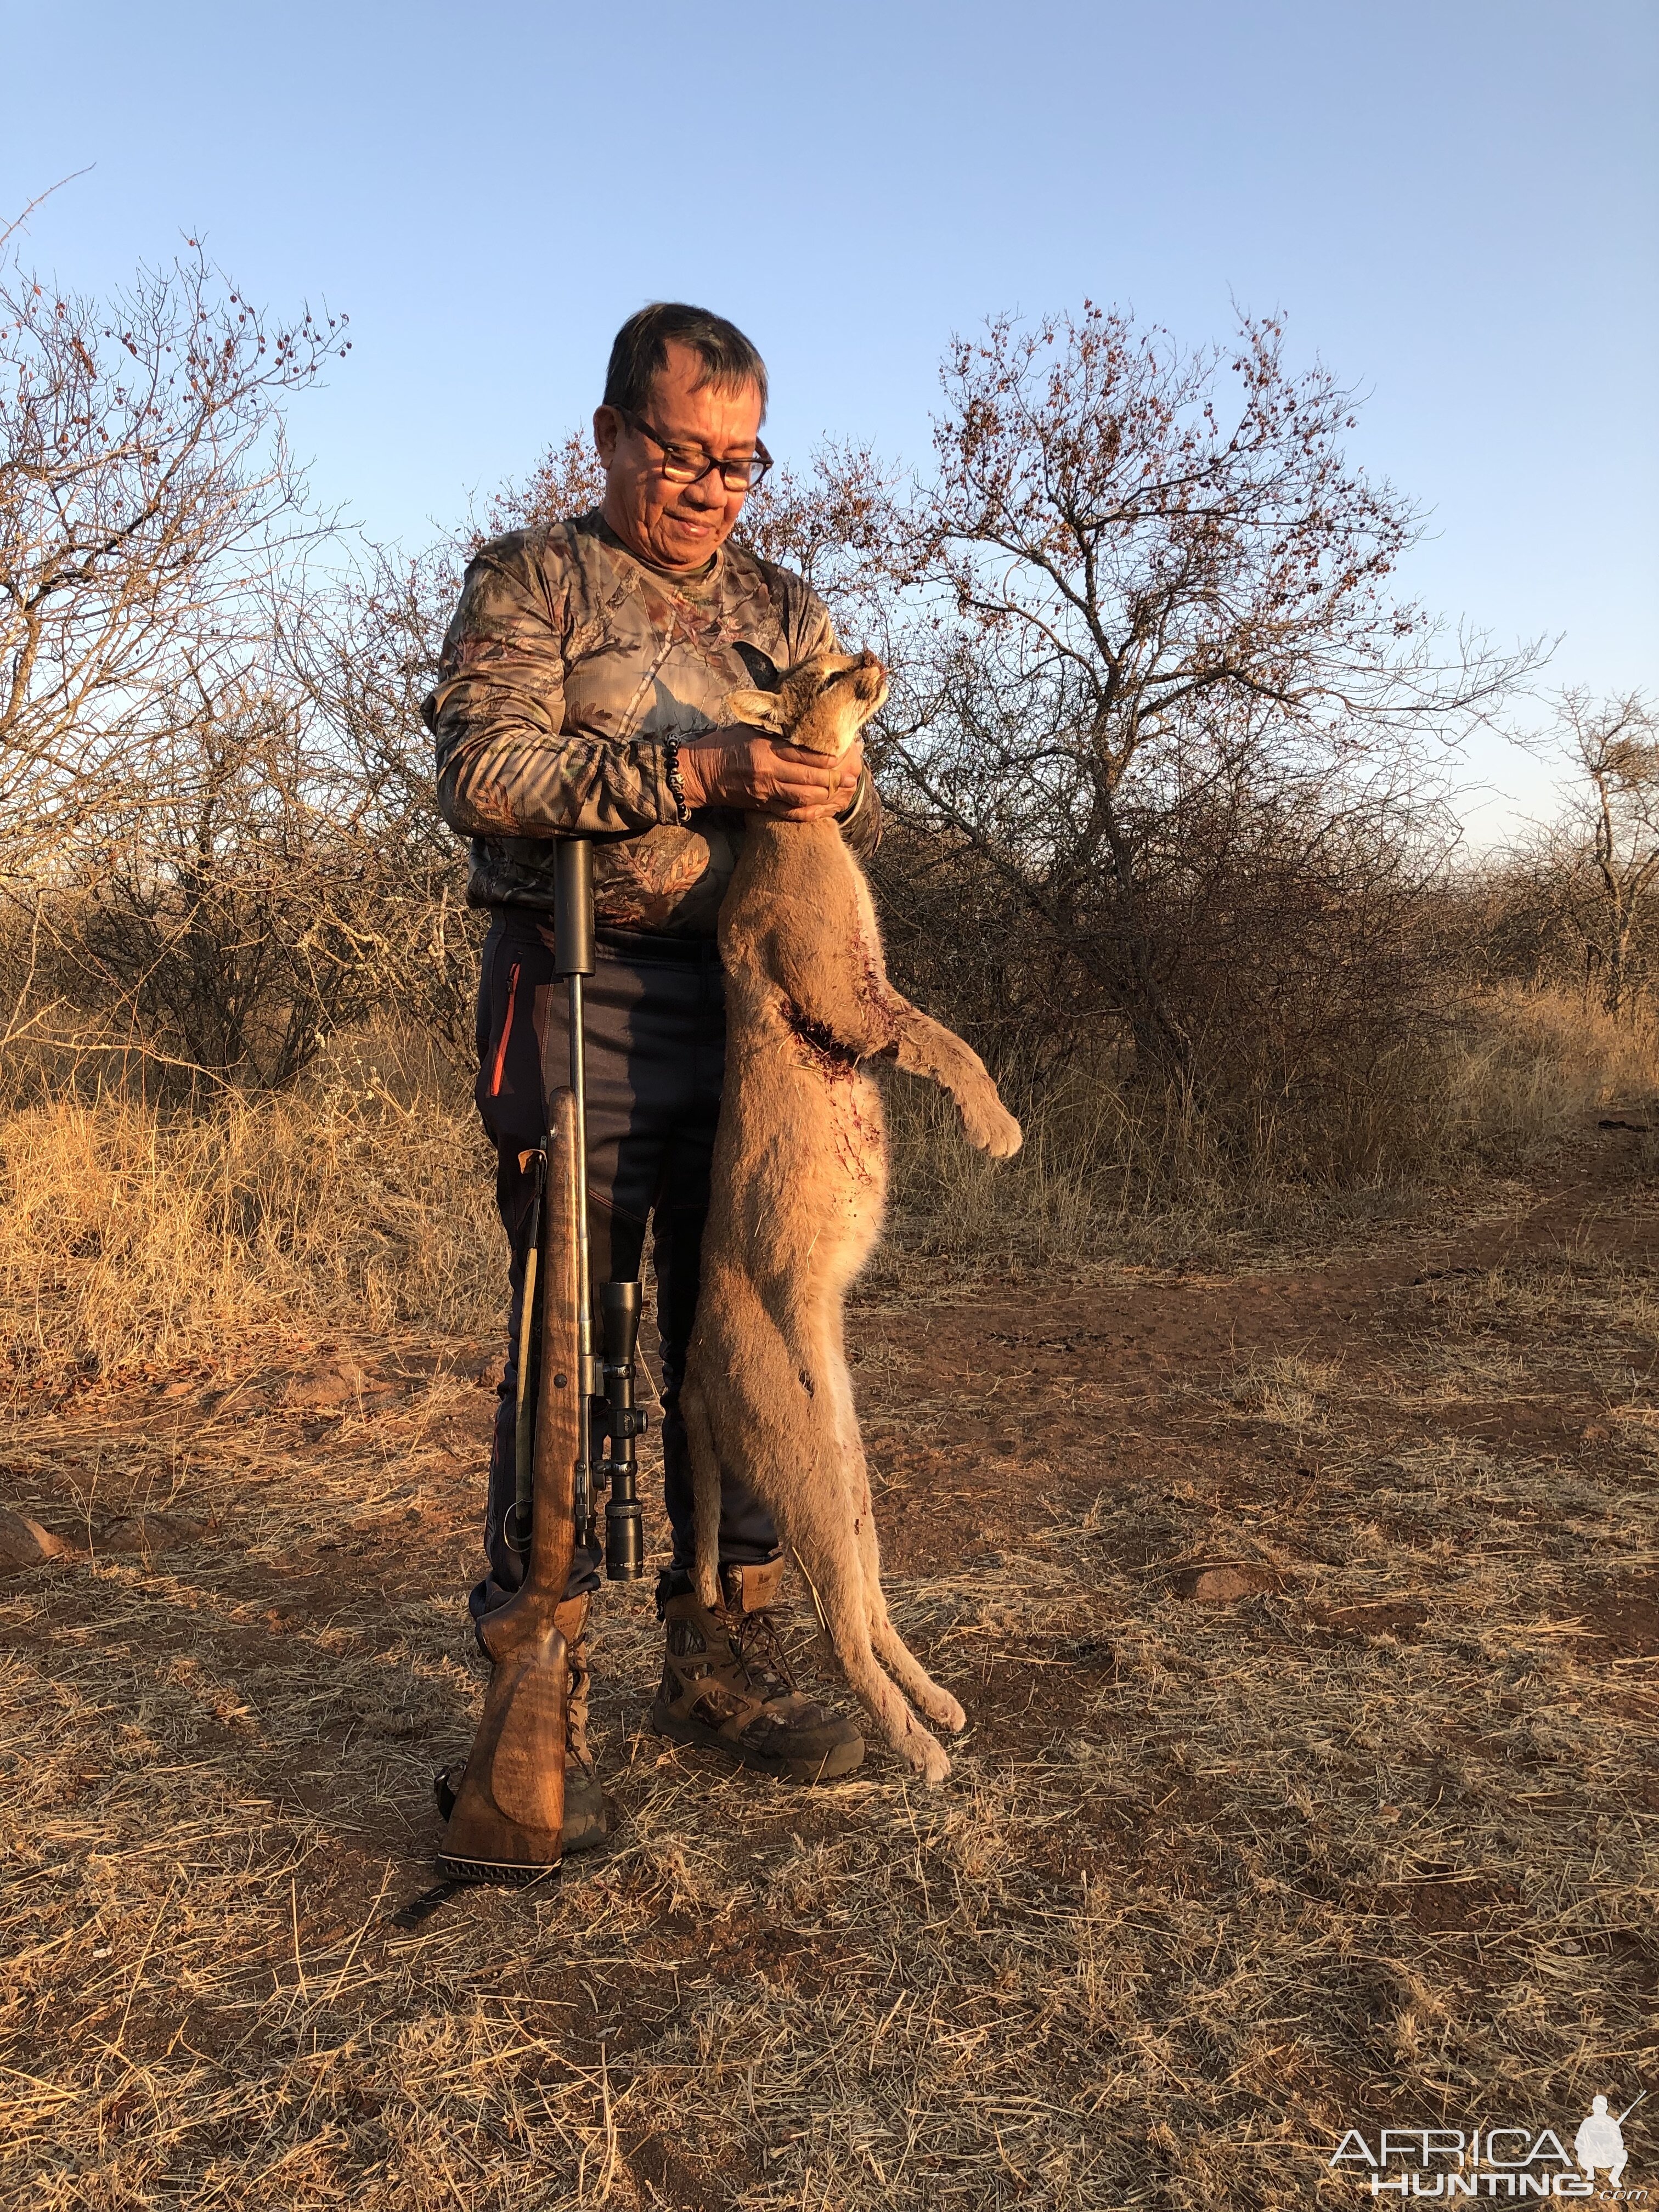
(1456, 206)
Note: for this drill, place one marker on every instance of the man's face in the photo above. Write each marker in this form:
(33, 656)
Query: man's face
(676, 525)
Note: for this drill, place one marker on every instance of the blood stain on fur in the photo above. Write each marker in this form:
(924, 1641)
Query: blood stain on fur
(834, 1058)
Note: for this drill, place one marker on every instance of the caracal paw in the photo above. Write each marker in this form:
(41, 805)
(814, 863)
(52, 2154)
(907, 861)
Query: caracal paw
(942, 1708)
(925, 1754)
(992, 1129)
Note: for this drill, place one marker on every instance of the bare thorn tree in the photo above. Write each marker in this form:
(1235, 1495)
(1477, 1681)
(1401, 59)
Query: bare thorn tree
(363, 655)
(145, 489)
(832, 523)
(1149, 578)
(1607, 851)
(567, 480)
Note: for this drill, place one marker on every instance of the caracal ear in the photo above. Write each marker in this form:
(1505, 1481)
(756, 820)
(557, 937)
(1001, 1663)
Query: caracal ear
(764, 710)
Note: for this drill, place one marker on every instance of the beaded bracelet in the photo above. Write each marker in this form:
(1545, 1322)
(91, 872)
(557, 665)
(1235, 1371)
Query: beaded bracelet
(671, 776)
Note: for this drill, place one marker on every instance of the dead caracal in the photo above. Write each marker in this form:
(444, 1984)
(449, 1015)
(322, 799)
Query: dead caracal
(799, 1181)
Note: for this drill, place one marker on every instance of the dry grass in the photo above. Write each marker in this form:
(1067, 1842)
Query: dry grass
(1210, 1882)
(1108, 1173)
(1287, 1389)
(133, 1238)
(1527, 1067)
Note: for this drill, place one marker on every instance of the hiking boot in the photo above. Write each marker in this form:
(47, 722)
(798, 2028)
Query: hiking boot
(587, 1820)
(727, 1683)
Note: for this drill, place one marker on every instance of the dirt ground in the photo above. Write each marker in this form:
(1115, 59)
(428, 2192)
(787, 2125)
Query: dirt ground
(1307, 1618)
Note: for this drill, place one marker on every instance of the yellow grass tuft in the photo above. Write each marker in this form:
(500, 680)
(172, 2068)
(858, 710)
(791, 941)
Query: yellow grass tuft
(130, 1236)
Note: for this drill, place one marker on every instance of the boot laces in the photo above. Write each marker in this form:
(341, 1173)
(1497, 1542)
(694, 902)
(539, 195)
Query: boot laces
(759, 1649)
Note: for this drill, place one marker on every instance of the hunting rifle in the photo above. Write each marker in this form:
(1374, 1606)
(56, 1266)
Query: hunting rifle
(508, 1811)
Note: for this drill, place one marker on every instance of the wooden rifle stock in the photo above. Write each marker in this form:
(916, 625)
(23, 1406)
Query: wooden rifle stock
(509, 1810)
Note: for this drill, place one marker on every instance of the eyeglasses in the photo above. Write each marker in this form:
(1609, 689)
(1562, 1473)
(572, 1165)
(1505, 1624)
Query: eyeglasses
(689, 465)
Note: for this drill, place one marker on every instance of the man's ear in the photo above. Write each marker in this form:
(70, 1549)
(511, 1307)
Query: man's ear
(606, 429)
(762, 709)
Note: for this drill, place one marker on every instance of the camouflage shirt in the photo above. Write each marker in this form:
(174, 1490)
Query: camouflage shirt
(567, 665)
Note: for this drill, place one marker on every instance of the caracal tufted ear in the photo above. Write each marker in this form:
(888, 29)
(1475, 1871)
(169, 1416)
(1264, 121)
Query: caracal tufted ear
(762, 710)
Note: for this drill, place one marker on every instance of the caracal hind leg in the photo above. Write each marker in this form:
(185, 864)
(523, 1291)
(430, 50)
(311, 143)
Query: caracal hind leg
(888, 1646)
(902, 1662)
(787, 1445)
(739, 1402)
(826, 1549)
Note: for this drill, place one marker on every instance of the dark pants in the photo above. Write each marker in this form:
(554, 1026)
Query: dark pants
(655, 1031)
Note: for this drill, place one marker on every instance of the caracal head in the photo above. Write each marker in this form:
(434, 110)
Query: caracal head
(820, 704)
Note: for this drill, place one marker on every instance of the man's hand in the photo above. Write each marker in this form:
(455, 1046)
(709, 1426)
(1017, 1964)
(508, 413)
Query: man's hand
(740, 769)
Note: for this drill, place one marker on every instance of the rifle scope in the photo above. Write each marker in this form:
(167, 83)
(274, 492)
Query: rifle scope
(624, 1534)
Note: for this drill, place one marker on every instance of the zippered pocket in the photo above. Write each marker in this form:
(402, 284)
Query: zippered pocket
(506, 1030)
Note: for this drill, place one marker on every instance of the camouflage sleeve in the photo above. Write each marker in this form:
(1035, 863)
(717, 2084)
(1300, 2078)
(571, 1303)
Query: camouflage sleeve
(814, 632)
(507, 766)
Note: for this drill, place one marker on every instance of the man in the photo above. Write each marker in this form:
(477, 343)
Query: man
(579, 692)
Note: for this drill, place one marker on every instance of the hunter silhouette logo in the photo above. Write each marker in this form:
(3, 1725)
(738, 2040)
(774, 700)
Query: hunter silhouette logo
(1493, 2161)
(1600, 2141)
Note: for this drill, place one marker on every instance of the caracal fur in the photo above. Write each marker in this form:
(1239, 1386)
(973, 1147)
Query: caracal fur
(799, 1182)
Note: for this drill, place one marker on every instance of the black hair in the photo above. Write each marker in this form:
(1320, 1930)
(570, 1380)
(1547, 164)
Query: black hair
(729, 360)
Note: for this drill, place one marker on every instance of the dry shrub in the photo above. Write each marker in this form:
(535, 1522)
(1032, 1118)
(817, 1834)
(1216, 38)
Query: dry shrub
(1299, 955)
(1111, 1165)
(1527, 1067)
(131, 1236)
